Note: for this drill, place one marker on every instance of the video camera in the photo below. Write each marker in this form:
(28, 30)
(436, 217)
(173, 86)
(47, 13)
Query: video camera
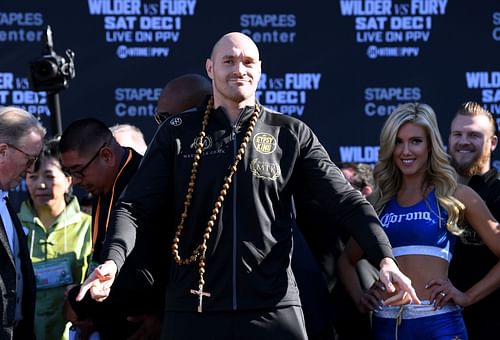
(51, 72)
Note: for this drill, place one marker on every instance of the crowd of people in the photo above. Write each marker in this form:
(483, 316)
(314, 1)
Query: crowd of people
(234, 223)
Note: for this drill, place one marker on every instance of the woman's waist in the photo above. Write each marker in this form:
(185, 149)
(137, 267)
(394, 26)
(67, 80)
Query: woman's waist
(414, 311)
(421, 270)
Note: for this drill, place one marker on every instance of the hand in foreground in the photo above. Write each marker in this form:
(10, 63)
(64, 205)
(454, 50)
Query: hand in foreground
(372, 298)
(392, 277)
(443, 292)
(150, 327)
(99, 282)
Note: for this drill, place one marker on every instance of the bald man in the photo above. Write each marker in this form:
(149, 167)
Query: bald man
(182, 93)
(222, 177)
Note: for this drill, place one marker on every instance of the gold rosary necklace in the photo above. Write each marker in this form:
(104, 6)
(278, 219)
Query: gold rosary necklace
(199, 252)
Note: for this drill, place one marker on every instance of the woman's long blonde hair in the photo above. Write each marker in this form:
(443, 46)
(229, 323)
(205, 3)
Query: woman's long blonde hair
(439, 174)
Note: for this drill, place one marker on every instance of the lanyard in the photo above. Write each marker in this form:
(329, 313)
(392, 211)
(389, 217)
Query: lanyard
(98, 208)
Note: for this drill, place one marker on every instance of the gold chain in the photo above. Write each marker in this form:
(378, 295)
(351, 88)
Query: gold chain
(200, 251)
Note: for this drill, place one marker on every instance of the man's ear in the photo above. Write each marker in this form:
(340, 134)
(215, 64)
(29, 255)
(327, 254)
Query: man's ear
(367, 190)
(209, 66)
(494, 143)
(108, 156)
(69, 181)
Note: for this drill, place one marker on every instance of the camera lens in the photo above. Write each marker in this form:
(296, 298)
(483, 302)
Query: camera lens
(45, 69)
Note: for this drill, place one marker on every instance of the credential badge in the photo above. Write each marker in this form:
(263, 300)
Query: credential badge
(264, 143)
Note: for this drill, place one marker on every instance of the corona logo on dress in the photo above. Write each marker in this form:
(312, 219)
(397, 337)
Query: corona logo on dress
(388, 219)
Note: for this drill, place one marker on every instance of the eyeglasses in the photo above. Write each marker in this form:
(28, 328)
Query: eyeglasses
(31, 158)
(81, 172)
(160, 117)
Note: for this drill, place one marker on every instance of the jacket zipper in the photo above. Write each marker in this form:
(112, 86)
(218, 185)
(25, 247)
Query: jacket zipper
(235, 146)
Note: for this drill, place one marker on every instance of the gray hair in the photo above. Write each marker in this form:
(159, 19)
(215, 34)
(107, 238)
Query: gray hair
(15, 123)
(134, 137)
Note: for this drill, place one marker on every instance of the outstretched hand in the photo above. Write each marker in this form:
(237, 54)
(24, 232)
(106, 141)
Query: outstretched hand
(99, 282)
(392, 277)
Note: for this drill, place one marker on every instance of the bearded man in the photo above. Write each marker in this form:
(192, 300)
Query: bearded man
(473, 137)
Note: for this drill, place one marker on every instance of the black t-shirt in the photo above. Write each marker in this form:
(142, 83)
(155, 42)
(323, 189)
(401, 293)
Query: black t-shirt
(472, 259)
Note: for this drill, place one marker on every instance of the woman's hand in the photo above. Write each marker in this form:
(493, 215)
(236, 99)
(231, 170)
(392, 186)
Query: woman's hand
(443, 292)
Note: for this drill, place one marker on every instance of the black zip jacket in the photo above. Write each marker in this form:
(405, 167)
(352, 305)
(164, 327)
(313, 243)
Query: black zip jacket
(248, 256)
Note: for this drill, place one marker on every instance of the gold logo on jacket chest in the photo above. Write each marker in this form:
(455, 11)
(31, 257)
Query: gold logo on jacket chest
(207, 142)
(264, 143)
(265, 170)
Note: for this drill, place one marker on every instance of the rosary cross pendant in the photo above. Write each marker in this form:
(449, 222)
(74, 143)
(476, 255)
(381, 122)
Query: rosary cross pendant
(200, 294)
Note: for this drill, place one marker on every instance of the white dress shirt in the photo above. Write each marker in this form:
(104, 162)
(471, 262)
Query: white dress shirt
(7, 220)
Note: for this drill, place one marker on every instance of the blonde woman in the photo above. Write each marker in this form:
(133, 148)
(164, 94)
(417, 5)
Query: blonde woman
(421, 208)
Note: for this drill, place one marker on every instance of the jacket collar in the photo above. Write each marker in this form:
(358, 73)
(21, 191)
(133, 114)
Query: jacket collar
(71, 214)
(221, 116)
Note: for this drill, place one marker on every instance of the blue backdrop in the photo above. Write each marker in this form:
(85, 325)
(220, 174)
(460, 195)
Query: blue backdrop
(341, 66)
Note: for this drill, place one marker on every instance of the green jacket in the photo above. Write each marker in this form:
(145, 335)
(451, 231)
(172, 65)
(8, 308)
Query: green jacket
(70, 237)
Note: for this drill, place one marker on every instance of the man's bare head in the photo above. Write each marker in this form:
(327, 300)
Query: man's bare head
(182, 93)
(235, 68)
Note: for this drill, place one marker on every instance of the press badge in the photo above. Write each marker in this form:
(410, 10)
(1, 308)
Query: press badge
(53, 273)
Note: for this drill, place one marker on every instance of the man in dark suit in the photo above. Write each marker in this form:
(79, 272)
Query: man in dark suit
(21, 140)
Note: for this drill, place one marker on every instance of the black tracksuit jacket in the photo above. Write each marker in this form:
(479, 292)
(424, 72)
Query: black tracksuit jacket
(249, 250)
